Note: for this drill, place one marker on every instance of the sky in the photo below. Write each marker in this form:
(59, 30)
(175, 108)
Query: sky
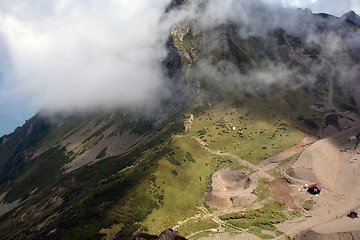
(71, 55)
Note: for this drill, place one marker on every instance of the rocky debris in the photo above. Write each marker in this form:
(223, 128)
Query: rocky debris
(230, 188)
(188, 122)
(180, 30)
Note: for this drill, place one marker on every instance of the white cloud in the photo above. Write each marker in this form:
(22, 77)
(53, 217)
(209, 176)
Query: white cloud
(70, 54)
(83, 54)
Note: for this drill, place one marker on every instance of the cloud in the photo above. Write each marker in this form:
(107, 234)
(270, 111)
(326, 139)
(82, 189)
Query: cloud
(256, 19)
(69, 55)
(80, 55)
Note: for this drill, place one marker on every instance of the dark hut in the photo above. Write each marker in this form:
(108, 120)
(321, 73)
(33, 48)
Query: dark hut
(352, 214)
(314, 189)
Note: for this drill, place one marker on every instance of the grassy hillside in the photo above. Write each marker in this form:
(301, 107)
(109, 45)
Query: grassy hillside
(115, 190)
(183, 177)
(253, 132)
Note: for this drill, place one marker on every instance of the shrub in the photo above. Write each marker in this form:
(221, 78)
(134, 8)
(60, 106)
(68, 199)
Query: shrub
(311, 123)
(189, 157)
(309, 204)
(101, 154)
(172, 160)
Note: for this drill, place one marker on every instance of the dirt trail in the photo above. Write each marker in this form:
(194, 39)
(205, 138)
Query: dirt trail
(234, 158)
(272, 161)
(245, 236)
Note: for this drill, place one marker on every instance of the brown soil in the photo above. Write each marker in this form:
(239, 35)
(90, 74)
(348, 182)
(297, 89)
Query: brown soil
(312, 235)
(231, 188)
(280, 190)
(332, 162)
(328, 131)
(335, 164)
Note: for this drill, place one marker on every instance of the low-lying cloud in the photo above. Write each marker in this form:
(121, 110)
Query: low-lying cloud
(258, 19)
(67, 55)
(80, 55)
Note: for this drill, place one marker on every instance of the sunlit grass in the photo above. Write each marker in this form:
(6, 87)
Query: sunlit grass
(252, 135)
(185, 190)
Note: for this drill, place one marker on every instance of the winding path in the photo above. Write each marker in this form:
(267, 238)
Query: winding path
(233, 158)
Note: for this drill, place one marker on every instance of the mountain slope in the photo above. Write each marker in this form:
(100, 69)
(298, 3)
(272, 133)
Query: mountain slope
(113, 174)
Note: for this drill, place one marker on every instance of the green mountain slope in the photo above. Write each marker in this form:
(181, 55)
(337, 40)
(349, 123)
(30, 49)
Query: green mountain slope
(110, 175)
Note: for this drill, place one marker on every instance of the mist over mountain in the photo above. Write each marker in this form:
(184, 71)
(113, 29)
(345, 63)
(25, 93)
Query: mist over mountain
(66, 56)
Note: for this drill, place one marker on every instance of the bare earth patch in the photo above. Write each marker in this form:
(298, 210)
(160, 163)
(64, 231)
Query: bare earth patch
(231, 188)
(280, 190)
(335, 164)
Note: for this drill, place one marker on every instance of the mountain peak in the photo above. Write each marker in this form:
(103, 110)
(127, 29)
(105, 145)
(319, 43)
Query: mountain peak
(352, 17)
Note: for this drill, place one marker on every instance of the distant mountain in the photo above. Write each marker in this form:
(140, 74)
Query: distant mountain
(352, 17)
(235, 92)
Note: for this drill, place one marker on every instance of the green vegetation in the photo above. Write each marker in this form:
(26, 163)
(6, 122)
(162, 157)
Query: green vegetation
(185, 190)
(297, 105)
(202, 234)
(333, 119)
(276, 172)
(43, 170)
(252, 135)
(163, 179)
(119, 189)
(142, 127)
(309, 204)
(190, 43)
(294, 214)
(101, 154)
(197, 225)
(292, 238)
(262, 194)
(236, 165)
(257, 220)
(241, 57)
(342, 100)
(189, 157)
